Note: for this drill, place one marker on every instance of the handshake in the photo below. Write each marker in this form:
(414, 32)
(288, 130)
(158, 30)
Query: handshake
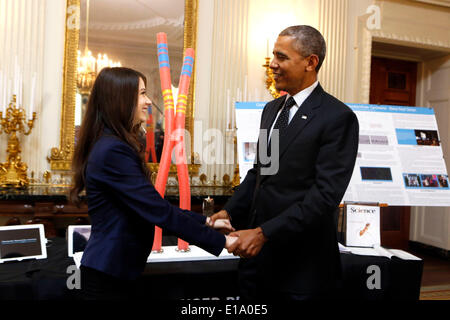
(243, 243)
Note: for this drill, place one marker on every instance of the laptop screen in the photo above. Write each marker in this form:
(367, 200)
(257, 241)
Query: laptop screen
(20, 242)
(77, 238)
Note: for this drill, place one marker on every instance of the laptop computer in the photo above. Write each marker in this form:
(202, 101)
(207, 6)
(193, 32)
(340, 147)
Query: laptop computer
(77, 238)
(22, 242)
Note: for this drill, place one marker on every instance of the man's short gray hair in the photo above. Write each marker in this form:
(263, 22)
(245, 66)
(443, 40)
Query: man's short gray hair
(307, 41)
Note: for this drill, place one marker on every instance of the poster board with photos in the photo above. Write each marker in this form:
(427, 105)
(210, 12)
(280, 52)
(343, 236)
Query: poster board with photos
(248, 118)
(400, 159)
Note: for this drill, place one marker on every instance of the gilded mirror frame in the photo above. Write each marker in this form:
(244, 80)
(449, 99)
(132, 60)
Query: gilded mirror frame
(61, 157)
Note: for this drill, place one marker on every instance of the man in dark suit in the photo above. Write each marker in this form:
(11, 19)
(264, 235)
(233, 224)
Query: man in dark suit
(286, 207)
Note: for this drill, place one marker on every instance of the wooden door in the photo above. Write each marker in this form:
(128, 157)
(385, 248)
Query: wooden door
(393, 82)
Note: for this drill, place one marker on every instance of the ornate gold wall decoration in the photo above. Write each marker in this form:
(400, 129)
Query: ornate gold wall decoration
(190, 41)
(13, 172)
(61, 158)
(270, 81)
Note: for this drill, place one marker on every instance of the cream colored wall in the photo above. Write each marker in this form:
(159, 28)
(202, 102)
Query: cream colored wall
(33, 31)
(403, 22)
(356, 9)
(203, 73)
(54, 37)
(228, 53)
(266, 20)
(231, 47)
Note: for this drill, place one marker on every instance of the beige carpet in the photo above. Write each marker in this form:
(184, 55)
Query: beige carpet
(435, 292)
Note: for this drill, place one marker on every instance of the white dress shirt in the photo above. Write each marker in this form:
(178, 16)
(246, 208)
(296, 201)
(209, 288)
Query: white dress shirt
(299, 98)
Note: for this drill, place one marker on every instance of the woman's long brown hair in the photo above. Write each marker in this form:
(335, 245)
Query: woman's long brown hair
(112, 103)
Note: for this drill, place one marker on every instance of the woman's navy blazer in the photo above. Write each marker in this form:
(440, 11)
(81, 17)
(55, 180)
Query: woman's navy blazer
(124, 207)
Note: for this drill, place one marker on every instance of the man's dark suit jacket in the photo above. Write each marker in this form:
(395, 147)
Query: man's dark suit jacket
(124, 208)
(295, 207)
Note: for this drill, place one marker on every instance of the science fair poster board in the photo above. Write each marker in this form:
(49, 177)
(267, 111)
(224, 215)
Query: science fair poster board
(248, 118)
(400, 160)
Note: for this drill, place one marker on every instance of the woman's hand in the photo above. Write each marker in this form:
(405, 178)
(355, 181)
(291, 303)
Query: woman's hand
(222, 214)
(222, 225)
(229, 240)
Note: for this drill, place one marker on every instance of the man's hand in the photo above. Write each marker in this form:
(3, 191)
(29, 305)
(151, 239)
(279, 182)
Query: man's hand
(248, 244)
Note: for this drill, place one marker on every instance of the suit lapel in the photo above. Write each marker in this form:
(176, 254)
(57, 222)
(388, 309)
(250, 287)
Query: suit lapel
(303, 116)
(266, 123)
(272, 113)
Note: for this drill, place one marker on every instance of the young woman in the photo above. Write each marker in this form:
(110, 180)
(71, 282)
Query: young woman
(124, 207)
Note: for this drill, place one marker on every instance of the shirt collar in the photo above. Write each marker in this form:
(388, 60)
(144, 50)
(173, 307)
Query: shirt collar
(301, 96)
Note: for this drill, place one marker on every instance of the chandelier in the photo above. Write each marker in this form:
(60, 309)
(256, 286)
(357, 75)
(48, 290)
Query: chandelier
(88, 65)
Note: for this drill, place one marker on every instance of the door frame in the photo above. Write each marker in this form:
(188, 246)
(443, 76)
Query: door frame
(365, 39)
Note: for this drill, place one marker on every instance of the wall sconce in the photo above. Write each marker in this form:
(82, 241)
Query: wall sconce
(270, 82)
